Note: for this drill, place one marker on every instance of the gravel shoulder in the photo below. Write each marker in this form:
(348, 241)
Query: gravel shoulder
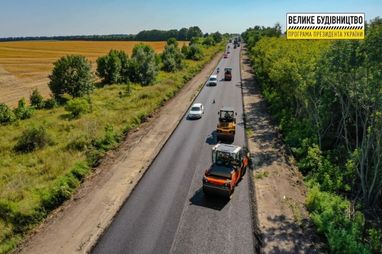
(76, 226)
(279, 189)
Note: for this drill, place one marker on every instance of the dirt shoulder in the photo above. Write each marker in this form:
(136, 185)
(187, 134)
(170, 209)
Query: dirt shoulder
(76, 226)
(280, 192)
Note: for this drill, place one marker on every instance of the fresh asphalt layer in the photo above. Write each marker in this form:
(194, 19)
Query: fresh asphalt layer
(167, 212)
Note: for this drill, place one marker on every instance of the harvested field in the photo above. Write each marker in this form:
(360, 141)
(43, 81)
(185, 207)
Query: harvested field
(25, 65)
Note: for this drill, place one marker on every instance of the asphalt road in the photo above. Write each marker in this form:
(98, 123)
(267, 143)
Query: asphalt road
(167, 212)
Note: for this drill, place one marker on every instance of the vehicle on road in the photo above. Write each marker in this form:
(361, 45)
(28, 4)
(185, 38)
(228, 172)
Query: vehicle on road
(229, 164)
(228, 74)
(213, 80)
(226, 127)
(196, 111)
(225, 55)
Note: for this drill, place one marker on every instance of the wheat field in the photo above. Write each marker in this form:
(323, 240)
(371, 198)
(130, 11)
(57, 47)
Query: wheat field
(25, 65)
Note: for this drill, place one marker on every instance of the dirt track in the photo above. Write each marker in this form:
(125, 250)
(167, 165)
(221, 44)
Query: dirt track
(279, 187)
(76, 226)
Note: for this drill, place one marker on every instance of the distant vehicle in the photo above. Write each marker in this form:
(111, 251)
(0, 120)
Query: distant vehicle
(228, 74)
(213, 80)
(196, 111)
(228, 52)
(226, 127)
(225, 56)
(229, 164)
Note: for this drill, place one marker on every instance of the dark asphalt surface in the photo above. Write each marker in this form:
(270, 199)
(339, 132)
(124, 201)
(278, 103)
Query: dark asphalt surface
(167, 212)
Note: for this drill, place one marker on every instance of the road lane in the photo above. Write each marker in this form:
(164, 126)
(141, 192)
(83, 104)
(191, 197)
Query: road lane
(167, 212)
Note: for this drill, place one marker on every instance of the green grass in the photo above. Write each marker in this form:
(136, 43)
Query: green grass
(249, 132)
(32, 184)
(261, 175)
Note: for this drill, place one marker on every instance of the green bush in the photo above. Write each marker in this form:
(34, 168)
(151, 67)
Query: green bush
(50, 103)
(108, 141)
(33, 138)
(375, 236)
(6, 114)
(22, 111)
(78, 106)
(143, 67)
(79, 144)
(36, 99)
(71, 75)
(331, 215)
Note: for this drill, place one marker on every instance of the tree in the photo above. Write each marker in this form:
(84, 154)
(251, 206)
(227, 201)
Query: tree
(36, 99)
(209, 41)
(182, 34)
(218, 37)
(194, 52)
(143, 66)
(194, 31)
(71, 75)
(253, 35)
(172, 58)
(113, 67)
(109, 68)
(196, 40)
(172, 41)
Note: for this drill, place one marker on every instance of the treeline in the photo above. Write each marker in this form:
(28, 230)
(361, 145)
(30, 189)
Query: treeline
(327, 99)
(184, 34)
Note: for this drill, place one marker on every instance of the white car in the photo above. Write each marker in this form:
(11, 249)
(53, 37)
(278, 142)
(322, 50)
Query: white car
(196, 111)
(213, 80)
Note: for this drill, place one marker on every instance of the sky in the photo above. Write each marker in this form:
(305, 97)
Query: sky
(86, 17)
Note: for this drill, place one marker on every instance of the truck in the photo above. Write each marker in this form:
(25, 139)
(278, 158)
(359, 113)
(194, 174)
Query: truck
(229, 164)
(227, 74)
(226, 127)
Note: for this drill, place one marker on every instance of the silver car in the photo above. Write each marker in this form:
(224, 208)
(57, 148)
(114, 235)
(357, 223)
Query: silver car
(213, 80)
(196, 111)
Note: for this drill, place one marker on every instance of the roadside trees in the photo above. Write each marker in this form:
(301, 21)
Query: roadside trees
(71, 75)
(172, 57)
(113, 67)
(143, 66)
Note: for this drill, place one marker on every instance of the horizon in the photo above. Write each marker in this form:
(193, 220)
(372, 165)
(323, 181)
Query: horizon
(40, 18)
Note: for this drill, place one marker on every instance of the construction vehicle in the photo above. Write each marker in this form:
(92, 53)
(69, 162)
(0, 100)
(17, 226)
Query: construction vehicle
(226, 128)
(227, 74)
(229, 164)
